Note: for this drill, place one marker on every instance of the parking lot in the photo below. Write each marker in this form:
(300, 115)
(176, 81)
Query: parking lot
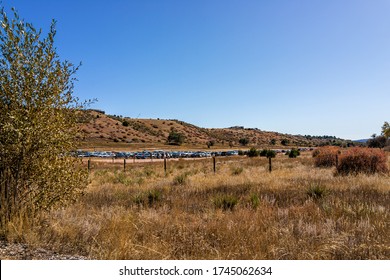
(161, 154)
(158, 154)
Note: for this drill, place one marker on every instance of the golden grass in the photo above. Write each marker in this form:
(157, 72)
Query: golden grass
(295, 212)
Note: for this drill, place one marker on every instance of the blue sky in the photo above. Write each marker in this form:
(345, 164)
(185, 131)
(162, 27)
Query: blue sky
(299, 67)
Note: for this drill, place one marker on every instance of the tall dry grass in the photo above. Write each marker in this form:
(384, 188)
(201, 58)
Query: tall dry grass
(296, 212)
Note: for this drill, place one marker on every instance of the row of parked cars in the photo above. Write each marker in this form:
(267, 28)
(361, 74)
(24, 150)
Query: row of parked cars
(167, 154)
(155, 154)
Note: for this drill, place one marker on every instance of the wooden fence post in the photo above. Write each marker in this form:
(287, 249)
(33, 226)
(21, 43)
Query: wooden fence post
(165, 166)
(270, 164)
(214, 164)
(89, 165)
(124, 165)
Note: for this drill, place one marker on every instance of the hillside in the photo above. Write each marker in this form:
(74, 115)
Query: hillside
(101, 130)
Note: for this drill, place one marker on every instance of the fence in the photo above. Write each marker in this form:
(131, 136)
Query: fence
(164, 160)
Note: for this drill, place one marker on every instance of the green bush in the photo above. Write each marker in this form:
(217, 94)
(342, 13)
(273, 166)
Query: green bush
(268, 153)
(243, 141)
(175, 138)
(226, 202)
(316, 191)
(253, 152)
(271, 154)
(293, 153)
(284, 142)
(263, 153)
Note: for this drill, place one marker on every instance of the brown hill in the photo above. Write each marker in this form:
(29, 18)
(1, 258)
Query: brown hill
(101, 130)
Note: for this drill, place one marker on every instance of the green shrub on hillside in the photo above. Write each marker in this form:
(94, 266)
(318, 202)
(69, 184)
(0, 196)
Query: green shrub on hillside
(243, 141)
(284, 142)
(175, 138)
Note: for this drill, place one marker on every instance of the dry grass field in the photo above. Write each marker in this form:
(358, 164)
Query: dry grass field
(241, 212)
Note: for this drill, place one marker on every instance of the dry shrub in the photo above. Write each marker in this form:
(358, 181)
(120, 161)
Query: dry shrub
(362, 160)
(226, 202)
(181, 179)
(325, 156)
(316, 191)
(237, 170)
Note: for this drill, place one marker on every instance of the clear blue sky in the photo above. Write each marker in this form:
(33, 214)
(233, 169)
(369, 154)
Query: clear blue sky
(300, 67)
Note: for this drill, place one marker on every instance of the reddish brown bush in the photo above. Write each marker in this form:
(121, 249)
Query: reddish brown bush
(325, 156)
(362, 160)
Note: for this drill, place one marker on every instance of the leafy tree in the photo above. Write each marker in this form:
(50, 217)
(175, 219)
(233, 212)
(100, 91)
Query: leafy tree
(273, 141)
(386, 130)
(271, 154)
(376, 141)
(38, 127)
(175, 138)
(253, 152)
(243, 141)
(268, 153)
(263, 153)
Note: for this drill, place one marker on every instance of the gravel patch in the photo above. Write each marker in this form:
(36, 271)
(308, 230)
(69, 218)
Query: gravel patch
(18, 251)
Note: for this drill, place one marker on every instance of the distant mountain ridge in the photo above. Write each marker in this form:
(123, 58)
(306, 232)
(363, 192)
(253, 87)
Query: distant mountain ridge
(99, 128)
(361, 140)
